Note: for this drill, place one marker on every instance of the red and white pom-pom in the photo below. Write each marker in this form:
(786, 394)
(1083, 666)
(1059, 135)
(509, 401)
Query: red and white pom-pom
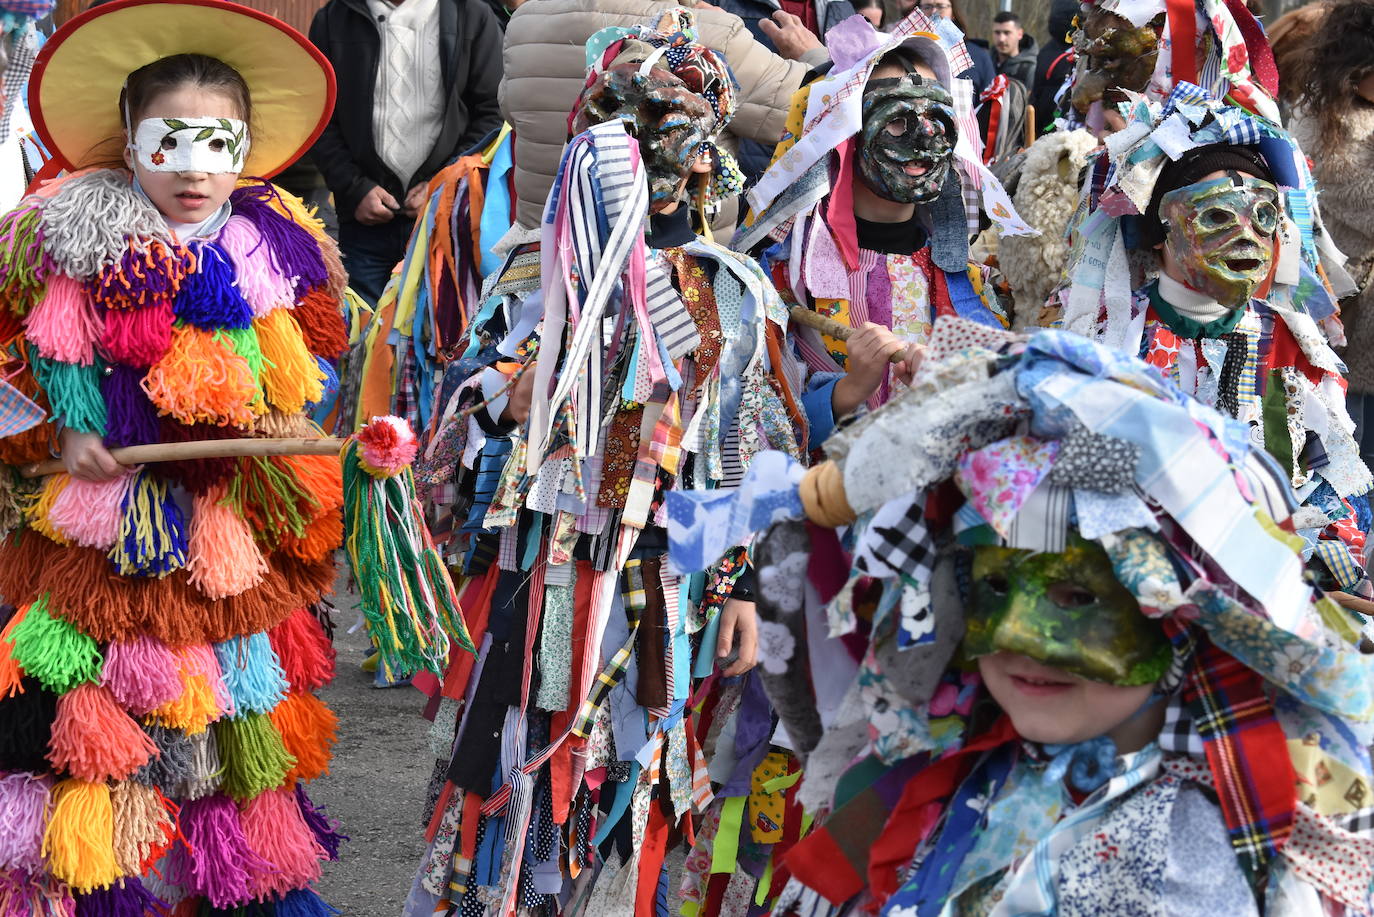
(386, 446)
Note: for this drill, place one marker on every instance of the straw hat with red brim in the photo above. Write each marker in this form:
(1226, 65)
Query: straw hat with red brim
(77, 78)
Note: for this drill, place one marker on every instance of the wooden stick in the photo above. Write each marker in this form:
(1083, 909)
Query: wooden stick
(831, 328)
(201, 449)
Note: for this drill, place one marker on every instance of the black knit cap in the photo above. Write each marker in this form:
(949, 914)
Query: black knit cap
(1189, 168)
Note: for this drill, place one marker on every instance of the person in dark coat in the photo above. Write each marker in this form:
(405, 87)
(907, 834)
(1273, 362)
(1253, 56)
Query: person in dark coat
(1013, 51)
(417, 85)
(1054, 63)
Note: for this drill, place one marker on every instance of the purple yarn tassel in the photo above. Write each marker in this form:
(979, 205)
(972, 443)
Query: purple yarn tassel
(126, 898)
(23, 817)
(215, 862)
(294, 249)
(132, 281)
(325, 829)
(130, 418)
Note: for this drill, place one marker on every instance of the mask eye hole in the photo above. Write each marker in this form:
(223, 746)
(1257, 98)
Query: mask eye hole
(169, 143)
(895, 128)
(1071, 595)
(1214, 217)
(1266, 217)
(216, 145)
(997, 583)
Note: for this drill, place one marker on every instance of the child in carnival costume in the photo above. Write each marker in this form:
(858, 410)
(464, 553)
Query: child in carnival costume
(1092, 676)
(161, 645)
(580, 761)
(1203, 255)
(866, 212)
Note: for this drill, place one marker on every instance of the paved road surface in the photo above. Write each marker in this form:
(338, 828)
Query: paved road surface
(376, 784)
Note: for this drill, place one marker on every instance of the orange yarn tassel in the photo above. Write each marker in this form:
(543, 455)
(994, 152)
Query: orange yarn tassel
(224, 559)
(11, 675)
(322, 538)
(38, 513)
(308, 730)
(94, 739)
(201, 379)
(290, 376)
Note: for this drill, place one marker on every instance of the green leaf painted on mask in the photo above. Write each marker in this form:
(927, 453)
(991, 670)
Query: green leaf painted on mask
(175, 124)
(205, 134)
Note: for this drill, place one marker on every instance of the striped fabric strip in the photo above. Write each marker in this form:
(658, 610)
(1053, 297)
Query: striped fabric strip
(673, 325)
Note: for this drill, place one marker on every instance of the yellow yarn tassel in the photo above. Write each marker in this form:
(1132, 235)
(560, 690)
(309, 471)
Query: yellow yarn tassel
(79, 843)
(199, 704)
(36, 513)
(290, 376)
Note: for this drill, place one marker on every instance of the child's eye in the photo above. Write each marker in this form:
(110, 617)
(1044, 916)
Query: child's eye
(997, 583)
(169, 143)
(216, 145)
(1071, 595)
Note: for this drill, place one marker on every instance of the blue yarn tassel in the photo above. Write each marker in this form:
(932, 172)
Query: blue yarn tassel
(131, 418)
(303, 902)
(330, 390)
(252, 673)
(210, 297)
(152, 530)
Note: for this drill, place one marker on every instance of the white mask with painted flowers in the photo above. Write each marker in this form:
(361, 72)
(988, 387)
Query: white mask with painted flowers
(210, 145)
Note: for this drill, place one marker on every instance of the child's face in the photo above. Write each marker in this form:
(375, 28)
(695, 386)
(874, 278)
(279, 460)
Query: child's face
(1051, 706)
(186, 196)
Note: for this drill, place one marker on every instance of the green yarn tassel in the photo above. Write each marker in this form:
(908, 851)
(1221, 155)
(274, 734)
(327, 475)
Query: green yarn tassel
(74, 393)
(53, 651)
(255, 759)
(271, 497)
(407, 596)
(22, 264)
(244, 342)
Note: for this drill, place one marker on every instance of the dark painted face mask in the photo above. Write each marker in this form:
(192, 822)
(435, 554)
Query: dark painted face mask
(1113, 56)
(907, 139)
(670, 121)
(1067, 611)
(1221, 235)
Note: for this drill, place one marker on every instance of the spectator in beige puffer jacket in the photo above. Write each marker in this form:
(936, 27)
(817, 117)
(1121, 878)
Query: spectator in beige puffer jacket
(545, 66)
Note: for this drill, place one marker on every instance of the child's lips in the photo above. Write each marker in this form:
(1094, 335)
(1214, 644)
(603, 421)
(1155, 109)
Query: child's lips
(1035, 686)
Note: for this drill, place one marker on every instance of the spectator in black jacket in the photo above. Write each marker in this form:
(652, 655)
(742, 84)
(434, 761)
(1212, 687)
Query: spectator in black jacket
(417, 82)
(1054, 63)
(1013, 51)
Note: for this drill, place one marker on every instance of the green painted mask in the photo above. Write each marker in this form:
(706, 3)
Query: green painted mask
(1222, 235)
(1067, 611)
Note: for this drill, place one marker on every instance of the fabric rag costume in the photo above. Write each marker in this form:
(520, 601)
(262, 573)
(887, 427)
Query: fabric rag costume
(1009, 465)
(163, 633)
(820, 254)
(1264, 358)
(583, 760)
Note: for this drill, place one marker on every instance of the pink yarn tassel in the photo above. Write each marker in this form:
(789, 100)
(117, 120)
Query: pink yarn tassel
(64, 326)
(34, 894)
(276, 831)
(24, 800)
(257, 277)
(88, 512)
(223, 557)
(141, 674)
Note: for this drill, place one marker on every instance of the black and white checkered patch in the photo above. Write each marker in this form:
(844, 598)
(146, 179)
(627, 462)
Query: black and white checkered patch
(897, 541)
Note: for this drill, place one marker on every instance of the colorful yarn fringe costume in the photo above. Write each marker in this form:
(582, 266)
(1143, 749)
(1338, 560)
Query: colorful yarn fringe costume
(927, 799)
(574, 751)
(804, 229)
(163, 640)
(1267, 362)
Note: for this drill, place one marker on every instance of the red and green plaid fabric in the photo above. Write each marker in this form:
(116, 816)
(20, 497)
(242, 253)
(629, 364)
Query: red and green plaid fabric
(1246, 750)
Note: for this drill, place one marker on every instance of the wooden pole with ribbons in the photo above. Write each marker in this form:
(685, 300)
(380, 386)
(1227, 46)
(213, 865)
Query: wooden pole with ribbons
(201, 449)
(831, 328)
